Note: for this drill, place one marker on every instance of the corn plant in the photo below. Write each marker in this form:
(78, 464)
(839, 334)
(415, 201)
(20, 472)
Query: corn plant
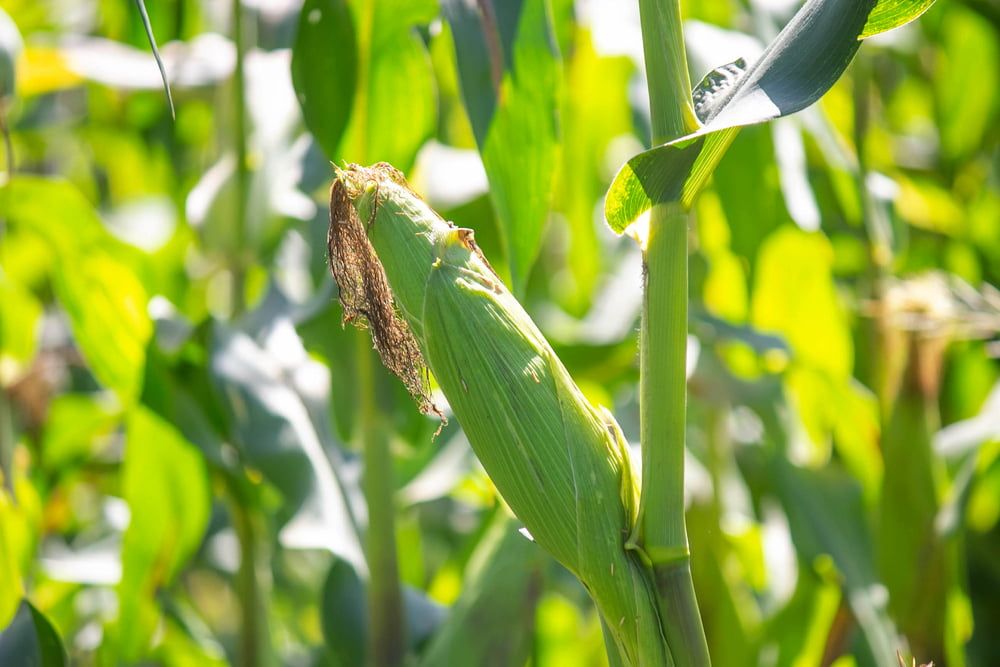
(432, 301)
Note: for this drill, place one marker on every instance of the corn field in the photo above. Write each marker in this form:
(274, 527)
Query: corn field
(437, 333)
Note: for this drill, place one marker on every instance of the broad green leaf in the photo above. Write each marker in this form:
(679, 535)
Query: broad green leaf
(324, 69)
(802, 627)
(797, 68)
(493, 620)
(914, 558)
(966, 82)
(93, 279)
(165, 483)
(74, 427)
(31, 640)
(396, 108)
(511, 80)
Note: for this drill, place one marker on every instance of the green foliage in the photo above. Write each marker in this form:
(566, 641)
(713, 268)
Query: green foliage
(184, 421)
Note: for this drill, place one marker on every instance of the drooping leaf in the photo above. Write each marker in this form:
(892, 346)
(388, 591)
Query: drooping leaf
(324, 69)
(165, 483)
(797, 68)
(30, 639)
(510, 75)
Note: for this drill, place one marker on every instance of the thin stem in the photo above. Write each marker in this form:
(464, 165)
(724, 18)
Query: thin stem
(661, 533)
(239, 260)
(386, 638)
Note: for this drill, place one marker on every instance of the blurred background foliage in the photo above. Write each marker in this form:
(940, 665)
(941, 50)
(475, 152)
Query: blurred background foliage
(181, 461)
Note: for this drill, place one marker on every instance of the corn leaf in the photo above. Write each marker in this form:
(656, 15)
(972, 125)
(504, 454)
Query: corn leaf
(165, 482)
(492, 621)
(30, 639)
(797, 68)
(94, 279)
(510, 77)
(325, 78)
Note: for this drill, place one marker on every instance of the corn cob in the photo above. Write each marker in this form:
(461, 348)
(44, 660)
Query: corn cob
(429, 296)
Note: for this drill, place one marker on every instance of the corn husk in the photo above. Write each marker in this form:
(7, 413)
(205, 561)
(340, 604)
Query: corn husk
(560, 463)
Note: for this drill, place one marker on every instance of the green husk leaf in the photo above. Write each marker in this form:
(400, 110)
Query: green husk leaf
(797, 68)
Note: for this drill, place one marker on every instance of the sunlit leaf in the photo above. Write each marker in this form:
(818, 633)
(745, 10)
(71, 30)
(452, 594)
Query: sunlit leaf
(11, 583)
(165, 483)
(797, 68)
(20, 314)
(890, 14)
(510, 75)
(105, 301)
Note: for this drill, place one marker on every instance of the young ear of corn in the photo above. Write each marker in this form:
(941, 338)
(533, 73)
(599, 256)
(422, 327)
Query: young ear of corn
(560, 464)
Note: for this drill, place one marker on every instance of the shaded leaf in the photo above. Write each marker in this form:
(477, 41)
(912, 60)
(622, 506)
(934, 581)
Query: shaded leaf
(492, 623)
(324, 69)
(31, 640)
(273, 430)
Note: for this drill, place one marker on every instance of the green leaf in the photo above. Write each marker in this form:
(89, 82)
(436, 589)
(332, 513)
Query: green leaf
(890, 14)
(20, 314)
(165, 483)
(595, 111)
(493, 620)
(31, 640)
(797, 68)
(74, 427)
(11, 583)
(272, 428)
(93, 279)
(794, 296)
(827, 520)
(324, 69)
(344, 609)
(511, 81)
